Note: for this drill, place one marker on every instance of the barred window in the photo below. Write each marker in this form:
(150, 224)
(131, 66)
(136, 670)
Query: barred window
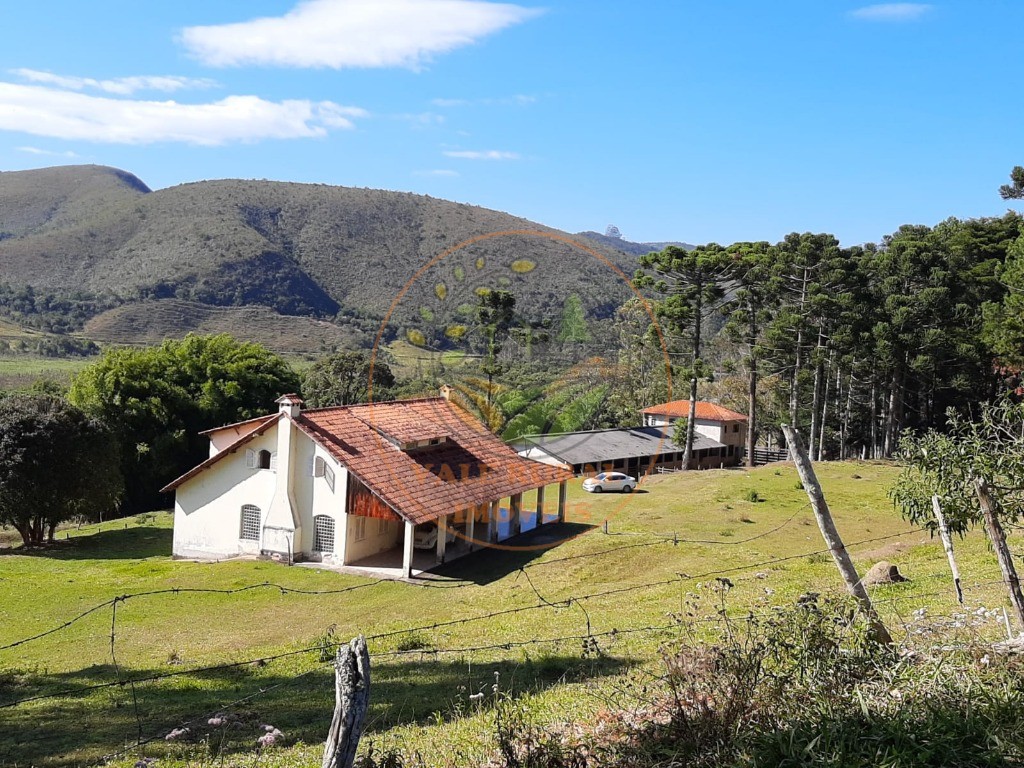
(323, 533)
(250, 529)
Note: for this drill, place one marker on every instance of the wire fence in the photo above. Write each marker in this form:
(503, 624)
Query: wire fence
(586, 637)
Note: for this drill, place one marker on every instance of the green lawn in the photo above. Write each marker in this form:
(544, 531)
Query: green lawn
(421, 698)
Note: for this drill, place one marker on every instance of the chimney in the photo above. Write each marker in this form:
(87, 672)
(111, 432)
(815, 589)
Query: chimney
(446, 392)
(290, 404)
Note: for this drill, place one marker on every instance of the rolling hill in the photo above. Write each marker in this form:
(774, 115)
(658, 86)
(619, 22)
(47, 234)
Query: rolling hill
(306, 254)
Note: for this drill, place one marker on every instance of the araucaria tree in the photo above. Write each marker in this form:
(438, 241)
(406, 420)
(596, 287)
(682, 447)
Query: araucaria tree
(692, 284)
(56, 463)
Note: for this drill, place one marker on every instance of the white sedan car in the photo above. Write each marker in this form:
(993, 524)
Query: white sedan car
(609, 481)
(426, 536)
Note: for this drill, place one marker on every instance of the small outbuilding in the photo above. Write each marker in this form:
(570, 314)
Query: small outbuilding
(350, 484)
(635, 451)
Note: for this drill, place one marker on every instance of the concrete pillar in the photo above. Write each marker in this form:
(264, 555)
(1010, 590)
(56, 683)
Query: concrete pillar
(407, 549)
(562, 488)
(471, 527)
(515, 514)
(492, 522)
(540, 506)
(442, 537)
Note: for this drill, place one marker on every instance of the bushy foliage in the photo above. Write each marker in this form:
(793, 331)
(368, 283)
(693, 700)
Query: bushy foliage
(345, 378)
(56, 463)
(158, 399)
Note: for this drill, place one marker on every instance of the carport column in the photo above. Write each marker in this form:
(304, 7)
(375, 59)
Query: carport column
(515, 524)
(471, 526)
(442, 537)
(410, 534)
(561, 501)
(492, 522)
(540, 507)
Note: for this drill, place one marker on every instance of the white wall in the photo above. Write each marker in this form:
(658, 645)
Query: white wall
(539, 454)
(313, 496)
(208, 508)
(375, 540)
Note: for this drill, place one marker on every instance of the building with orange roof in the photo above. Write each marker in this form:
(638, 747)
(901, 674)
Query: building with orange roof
(353, 485)
(710, 420)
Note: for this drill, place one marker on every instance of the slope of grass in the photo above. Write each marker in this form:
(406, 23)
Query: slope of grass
(769, 550)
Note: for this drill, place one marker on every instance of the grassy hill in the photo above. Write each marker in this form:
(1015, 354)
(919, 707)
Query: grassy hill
(350, 256)
(628, 580)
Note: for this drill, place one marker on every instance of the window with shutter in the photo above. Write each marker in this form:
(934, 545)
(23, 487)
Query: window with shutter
(329, 477)
(359, 527)
(250, 459)
(273, 461)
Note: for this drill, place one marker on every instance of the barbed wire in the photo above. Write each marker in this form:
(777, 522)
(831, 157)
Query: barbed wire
(543, 603)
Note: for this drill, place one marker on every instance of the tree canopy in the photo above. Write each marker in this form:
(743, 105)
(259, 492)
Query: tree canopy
(158, 399)
(56, 463)
(345, 378)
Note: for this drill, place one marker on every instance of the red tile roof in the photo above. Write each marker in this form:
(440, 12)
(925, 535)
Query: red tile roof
(680, 409)
(472, 467)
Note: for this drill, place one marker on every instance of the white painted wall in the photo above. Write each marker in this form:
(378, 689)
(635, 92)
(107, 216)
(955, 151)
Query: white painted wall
(539, 454)
(313, 496)
(375, 540)
(208, 508)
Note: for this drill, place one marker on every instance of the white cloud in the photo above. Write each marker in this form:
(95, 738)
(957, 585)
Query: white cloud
(519, 99)
(488, 154)
(353, 33)
(123, 86)
(60, 114)
(48, 152)
(443, 172)
(892, 11)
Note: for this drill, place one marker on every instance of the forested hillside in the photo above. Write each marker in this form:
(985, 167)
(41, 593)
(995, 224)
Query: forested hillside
(97, 238)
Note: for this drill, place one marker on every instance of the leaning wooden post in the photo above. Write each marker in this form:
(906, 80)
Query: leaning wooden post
(947, 544)
(830, 534)
(352, 691)
(989, 508)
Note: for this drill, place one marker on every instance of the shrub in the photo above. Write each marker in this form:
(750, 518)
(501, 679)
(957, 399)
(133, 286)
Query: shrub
(752, 496)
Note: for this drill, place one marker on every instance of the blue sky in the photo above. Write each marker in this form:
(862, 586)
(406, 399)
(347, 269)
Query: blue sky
(709, 120)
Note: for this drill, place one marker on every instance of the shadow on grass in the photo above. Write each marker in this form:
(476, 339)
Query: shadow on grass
(134, 543)
(491, 564)
(416, 688)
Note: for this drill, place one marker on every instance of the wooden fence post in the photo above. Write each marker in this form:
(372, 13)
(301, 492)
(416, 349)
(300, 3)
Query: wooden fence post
(989, 508)
(352, 691)
(830, 534)
(947, 544)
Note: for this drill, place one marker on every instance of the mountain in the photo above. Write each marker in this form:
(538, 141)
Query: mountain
(626, 246)
(334, 262)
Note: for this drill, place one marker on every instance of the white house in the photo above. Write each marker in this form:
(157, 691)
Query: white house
(343, 484)
(713, 421)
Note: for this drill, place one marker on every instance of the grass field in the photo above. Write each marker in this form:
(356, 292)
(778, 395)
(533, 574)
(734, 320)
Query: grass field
(626, 579)
(19, 371)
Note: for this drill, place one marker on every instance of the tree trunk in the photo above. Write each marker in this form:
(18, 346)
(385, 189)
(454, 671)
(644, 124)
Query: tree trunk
(26, 533)
(947, 544)
(688, 445)
(831, 535)
(794, 384)
(698, 315)
(352, 700)
(874, 418)
(819, 366)
(751, 389)
(890, 416)
(824, 409)
(990, 510)
(843, 448)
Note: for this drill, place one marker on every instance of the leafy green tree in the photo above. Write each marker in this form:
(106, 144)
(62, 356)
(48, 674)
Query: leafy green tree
(1004, 320)
(495, 313)
(345, 378)
(56, 463)
(158, 399)
(693, 286)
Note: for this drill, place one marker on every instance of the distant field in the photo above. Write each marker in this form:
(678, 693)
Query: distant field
(767, 549)
(20, 371)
